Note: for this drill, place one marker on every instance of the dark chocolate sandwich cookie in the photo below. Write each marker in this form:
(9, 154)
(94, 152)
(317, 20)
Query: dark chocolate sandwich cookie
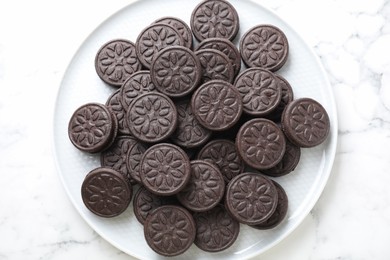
(217, 105)
(92, 128)
(116, 61)
(225, 46)
(264, 46)
(280, 211)
(114, 103)
(216, 230)
(133, 159)
(165, 169)
(251, 198)
(152, 117)
(205, 189)
(214, 19)
(305, 122)
(189, 132)
(224, 155)
(170, 230)
(145, 202)
(175, 71)
(260, 91)
(106, 192)
(215, 65)
(261, 143)
(153, 39)
(288, 163)
(115, 156)
(181, 27)
(137, 84)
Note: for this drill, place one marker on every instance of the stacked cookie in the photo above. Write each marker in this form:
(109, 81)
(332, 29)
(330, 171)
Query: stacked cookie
(198, 134)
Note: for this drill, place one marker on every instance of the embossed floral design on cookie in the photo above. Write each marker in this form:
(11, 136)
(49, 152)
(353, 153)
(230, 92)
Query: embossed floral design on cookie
(205, 188)
(189, 132)
(264, 46)
(152, 117)
(251, 198)
(305, 122)
(224, 155)
(106, 192)
(92, 127)
(216, 230)
(133, 159)
(181, 27)
(116, 61)
(175, 71)
(261, 143)
(215, 65)
(153, 39)
(226, 47)
(215, 18)
(165, 169)
(169, 230)
(217, 105)
(137, 84)
(260, 91)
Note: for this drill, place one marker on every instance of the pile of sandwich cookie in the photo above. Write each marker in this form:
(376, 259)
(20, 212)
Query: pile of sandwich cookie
(194, 130)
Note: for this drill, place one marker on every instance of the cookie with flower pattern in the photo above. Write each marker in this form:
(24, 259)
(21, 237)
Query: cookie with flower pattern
(260, 91)
(189, 132)
(305, 122)
(251, 198)
(165, 169)
(217, 105)
(264, 46)
(116, 61)
(216, 230)
(169, 230)
(153, 39)
(261, 143)
(175, 71)
(223, 153)
(152, 117)
(205, 188)
(215, 65)
(106, 192)
(181, 27)
(92, 128)
(214, 19)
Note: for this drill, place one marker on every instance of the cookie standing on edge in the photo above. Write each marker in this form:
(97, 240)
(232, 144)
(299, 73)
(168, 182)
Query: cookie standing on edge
(116, 61)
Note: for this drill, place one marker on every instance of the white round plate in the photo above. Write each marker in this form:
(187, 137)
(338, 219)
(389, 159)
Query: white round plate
(82, 85)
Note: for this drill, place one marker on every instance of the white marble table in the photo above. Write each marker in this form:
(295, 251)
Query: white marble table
(352, 217)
